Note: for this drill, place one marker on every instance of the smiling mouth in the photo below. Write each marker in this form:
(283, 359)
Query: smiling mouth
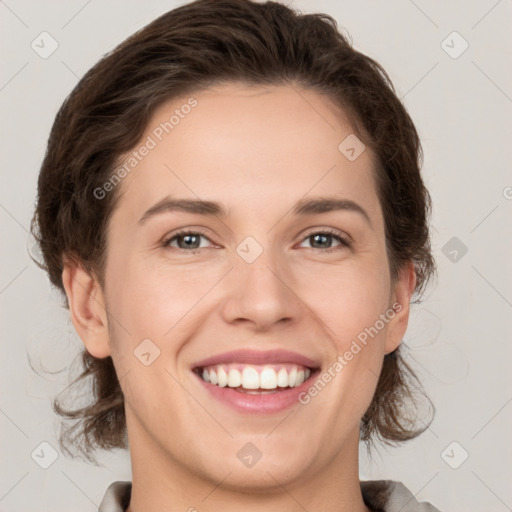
(255, 379)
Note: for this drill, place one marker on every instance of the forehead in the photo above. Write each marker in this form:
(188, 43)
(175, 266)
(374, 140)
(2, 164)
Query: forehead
(247, 146)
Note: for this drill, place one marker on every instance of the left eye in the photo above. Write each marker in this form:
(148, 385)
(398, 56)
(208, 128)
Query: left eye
(190, 241)
(323, 237)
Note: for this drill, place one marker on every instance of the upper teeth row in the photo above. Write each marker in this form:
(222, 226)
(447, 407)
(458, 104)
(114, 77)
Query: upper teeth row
(250, 378)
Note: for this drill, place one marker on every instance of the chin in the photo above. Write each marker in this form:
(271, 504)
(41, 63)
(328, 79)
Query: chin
(265, 479)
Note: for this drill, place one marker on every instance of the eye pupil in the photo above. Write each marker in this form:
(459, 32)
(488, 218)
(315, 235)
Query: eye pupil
(187, 239)
(322, 237)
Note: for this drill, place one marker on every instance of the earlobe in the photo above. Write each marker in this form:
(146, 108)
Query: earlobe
(87, 308)
(400, 302)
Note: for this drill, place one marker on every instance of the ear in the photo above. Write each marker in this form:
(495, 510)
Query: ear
(400, 302)
(87, 308)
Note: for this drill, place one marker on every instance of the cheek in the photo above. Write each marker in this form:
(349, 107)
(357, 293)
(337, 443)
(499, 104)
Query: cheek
(154, 297)
(349, 299)
(354, 305)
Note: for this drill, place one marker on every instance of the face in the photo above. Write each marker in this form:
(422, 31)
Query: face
(270, 285)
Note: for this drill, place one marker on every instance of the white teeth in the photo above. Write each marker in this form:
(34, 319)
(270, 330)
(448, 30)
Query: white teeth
(256, 378)
(292, 377)
(257, 392)
(268, 378)
(250, 378)
(234, 378)
(222, 377)
(282, 378)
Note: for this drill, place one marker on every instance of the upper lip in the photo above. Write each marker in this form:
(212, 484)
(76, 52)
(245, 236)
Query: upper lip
(246, 356)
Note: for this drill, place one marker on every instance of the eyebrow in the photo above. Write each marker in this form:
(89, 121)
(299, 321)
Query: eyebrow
(303, 207)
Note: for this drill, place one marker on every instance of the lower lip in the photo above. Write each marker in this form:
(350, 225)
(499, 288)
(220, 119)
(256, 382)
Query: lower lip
(260, 403)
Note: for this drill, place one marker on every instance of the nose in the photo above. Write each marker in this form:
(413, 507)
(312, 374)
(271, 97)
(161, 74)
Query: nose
(261, 294)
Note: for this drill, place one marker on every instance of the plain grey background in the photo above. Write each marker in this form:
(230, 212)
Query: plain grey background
(459, 338)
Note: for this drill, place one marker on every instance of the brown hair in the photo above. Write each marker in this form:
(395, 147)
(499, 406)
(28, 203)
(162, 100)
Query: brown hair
(184, 50)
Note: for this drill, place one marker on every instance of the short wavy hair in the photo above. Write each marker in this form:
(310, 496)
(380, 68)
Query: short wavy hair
(202, 43)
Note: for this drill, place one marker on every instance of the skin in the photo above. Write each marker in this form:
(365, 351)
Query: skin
(257, 150)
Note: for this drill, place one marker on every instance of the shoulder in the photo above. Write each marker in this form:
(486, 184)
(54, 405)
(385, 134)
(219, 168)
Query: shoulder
(117, 497)
(392, 496)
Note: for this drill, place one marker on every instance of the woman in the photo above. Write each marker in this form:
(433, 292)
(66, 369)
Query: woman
(231, 203)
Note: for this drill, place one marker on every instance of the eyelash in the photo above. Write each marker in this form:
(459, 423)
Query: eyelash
(343, 242)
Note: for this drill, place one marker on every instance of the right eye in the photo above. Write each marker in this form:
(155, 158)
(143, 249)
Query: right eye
(186, 240)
